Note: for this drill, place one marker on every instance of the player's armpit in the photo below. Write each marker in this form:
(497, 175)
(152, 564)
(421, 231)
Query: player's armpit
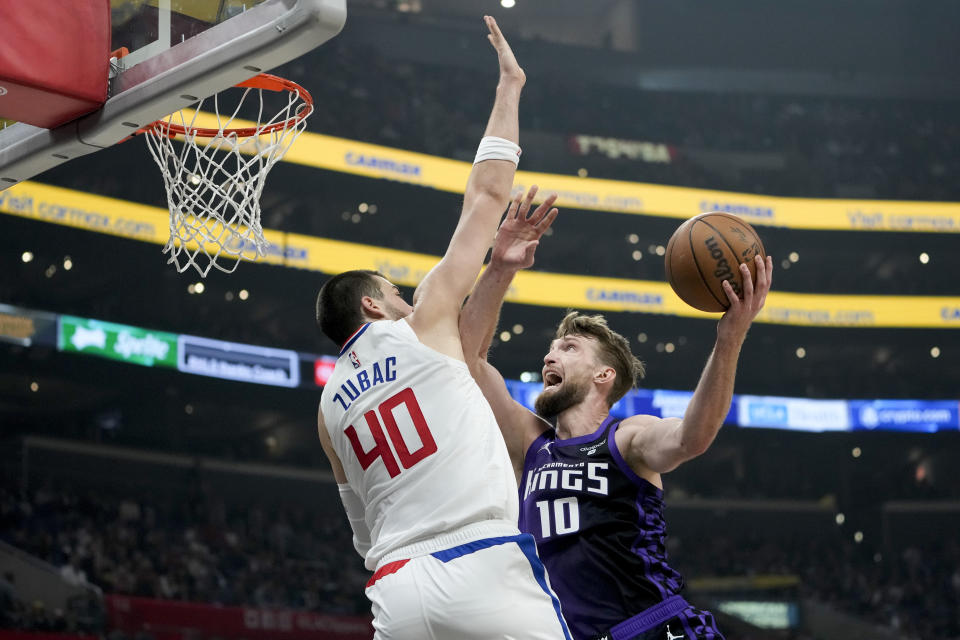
(519, 425)
(439, 332)
(338, 473)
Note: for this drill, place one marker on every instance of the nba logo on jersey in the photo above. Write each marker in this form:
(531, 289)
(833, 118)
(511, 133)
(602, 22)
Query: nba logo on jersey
(354, 360)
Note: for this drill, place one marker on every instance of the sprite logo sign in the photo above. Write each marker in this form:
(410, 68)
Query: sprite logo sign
(117, 342)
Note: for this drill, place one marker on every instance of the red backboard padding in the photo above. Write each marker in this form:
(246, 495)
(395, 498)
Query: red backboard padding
(54, 59)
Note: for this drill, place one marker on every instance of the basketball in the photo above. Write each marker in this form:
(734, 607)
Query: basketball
(706, 250)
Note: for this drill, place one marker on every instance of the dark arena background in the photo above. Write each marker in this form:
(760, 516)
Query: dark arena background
(161, 473)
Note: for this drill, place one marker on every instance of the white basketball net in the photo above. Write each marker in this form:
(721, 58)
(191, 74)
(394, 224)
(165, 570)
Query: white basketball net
(214, 185)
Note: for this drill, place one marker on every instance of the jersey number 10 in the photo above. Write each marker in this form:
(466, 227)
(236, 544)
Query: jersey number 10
(381, 448)
(566, 516)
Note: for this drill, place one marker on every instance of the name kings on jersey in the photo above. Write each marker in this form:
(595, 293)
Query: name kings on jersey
(569, 476)
(381, 371)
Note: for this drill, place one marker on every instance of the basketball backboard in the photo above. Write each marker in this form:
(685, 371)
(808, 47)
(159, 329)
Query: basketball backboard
(179, 52)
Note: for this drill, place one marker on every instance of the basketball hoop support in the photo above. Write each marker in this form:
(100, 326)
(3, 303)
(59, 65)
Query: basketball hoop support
(261, 38)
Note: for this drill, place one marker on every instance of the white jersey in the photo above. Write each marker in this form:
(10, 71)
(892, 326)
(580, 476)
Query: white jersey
(419, 444)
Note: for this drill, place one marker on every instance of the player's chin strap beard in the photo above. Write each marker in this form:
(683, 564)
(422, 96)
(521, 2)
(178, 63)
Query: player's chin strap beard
(550, 405)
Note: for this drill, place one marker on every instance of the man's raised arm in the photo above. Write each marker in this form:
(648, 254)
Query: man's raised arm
(662, 444)
(513, 250)
(486, 196)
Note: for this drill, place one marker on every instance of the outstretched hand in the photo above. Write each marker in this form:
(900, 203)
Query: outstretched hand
(740, 314)
(519, 233)
(510, 70)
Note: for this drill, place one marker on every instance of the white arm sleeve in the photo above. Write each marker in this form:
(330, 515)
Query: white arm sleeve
(355, 514)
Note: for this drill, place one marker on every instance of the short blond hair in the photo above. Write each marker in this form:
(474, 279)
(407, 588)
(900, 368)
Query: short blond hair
(613, 350)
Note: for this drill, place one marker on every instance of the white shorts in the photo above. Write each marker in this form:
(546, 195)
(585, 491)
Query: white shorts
(489, 588)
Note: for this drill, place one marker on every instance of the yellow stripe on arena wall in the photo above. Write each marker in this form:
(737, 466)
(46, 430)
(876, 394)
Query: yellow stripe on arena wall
(374, 161)
(150, 224)
(111, 216)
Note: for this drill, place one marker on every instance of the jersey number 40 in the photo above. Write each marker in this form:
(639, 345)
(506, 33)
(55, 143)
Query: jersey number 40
(381, 448)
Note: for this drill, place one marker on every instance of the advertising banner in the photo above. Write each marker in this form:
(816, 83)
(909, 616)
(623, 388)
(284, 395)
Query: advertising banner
(117, 342)
(655, 152)
(379, 162)
(86, 211)
(766, 614)
(800, 414)
(348, 156)
(281, 367)
(174, 620)
(323, 369)
(26, 327)
(905, 415)
(234, 361)
(663, 403)
(96, 213)
(671, 404)
(101, 214)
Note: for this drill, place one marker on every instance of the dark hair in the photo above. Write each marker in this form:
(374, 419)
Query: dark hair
(613, 351)
(339, 311)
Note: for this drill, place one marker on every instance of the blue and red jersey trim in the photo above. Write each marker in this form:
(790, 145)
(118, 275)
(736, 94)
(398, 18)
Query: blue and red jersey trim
(353, 338)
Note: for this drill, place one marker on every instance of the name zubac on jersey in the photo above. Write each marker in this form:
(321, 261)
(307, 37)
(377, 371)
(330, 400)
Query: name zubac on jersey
(381, 371)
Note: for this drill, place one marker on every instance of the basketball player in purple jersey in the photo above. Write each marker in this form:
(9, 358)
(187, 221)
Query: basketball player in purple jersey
(591, 487)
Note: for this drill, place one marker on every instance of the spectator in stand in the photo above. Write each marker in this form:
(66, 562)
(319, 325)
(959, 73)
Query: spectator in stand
(883, 148)
(11, 611)
(73, 573)
(914, 589)
(167, 553)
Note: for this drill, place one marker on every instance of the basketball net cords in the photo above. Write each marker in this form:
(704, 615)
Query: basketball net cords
(214, 209)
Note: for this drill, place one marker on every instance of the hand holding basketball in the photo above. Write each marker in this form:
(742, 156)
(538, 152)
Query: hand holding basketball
(742, 311)
(706, 251)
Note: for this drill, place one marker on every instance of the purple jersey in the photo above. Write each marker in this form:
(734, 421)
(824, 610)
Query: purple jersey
(599, 529)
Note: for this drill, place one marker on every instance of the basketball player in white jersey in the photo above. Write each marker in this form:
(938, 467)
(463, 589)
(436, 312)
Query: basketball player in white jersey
(424, 474)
